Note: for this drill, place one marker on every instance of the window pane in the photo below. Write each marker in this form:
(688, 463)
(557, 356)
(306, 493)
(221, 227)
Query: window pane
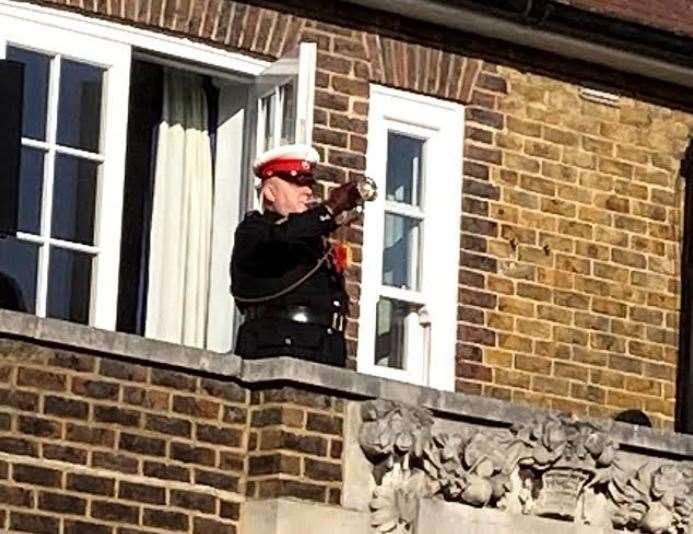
(30, 189)
(391, 332)
(401, 252)
(18, 264)
(288, 113)
(404, 164)
(79, 105)
(74, 199)
(267, 106)
(69, 285)
(36, 72)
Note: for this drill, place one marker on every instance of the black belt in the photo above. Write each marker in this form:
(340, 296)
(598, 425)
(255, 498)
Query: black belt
(299, 314)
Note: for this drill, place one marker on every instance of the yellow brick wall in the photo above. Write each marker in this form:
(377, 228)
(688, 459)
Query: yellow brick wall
(587, 244)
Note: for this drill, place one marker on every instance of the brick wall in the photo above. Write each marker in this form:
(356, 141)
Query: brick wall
(577, 248)
(569, 274)
(295, 445)
(89, 444)
(93, 445)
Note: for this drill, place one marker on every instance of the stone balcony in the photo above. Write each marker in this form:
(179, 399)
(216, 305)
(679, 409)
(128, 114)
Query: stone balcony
(105, 432)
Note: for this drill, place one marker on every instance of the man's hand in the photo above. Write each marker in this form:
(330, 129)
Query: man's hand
(343, 198)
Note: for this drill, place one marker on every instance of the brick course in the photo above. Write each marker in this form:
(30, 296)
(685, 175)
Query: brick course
(590, 272)
(295, 445)
(108, 467)
(167, 466)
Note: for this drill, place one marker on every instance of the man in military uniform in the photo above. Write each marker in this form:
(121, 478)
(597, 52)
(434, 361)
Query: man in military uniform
(283, 276)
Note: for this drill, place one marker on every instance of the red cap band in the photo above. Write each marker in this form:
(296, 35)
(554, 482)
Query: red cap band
(292, 167)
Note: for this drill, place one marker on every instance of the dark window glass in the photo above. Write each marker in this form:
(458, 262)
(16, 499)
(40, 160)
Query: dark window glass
(268, 110)
(36, 72)
(74, 199)
(30, 189)
(288, 113)
(69, 285)
(391, 333)
(404, 164)
(401, 252)
(79, 105)
(18, 264)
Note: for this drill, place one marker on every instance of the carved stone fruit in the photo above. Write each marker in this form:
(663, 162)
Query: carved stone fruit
(478, 491)
(658, 519)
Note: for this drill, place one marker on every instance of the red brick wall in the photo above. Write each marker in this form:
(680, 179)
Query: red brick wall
(89, 444)
(295, 445)
(569, 274)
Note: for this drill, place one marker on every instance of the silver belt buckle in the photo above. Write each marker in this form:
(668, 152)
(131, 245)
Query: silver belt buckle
(299, 317)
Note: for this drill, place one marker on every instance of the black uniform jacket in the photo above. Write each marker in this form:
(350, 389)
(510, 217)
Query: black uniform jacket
(271, 253)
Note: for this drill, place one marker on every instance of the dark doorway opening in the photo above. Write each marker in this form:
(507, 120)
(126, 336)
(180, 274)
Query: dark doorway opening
(684, 380)
(144, 118)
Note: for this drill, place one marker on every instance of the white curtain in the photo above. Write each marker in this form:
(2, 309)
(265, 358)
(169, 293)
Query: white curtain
(177, 300)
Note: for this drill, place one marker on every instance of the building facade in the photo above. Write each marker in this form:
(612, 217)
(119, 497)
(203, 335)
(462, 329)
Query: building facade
(527, 253)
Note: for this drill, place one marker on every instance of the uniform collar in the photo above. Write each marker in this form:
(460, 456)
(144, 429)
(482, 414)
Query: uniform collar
(273, 216)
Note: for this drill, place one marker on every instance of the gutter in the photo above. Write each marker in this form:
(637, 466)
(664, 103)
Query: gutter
(536, 24)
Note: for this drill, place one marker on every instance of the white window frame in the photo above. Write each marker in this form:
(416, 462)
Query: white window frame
(441, 125)
(297, 66)
(114, 58)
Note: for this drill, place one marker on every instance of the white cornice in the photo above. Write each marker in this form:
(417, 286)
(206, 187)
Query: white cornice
(146, 42)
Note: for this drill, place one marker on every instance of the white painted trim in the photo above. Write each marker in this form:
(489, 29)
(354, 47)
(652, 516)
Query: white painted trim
(298, 65)
(229, 174)
(189, 66)
(70, 245)
(110, 194)
(441, 123)
(42, 145)
(305, 92)
(600, 97)
(159, 42)
(397, 208)
(114, 57)
(467, 20)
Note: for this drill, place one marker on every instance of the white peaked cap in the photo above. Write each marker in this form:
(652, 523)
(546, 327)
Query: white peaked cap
(293, 159)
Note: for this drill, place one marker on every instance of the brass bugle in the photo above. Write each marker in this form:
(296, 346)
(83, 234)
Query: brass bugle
(367, 188)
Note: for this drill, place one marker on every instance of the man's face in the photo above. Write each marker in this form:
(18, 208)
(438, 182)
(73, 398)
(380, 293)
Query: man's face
(288, 197)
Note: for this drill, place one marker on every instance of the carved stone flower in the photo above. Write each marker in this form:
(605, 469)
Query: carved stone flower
(630, 494)
(602, 448)
(396, 501)
(560, 441)
(657, 501)
(393, 429)
(668, 485)
(443, 465)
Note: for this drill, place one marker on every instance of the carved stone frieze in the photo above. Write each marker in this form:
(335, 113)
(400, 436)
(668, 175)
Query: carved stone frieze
(555, 466)
(653, 499)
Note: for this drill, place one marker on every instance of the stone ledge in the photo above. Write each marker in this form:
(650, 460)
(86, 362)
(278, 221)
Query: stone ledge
(285, 370)
(441, 516)
(136, 348)
(289, 516)
(473, 408)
